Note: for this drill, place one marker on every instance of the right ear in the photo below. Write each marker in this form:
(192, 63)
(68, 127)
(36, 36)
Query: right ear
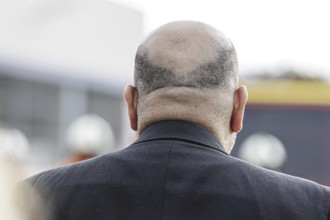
(241, 97)
(131, 95)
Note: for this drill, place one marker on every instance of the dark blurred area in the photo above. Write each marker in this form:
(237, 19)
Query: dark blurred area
(295, 109)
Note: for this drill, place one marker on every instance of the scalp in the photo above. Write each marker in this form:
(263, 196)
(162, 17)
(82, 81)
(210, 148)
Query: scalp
(184, 45)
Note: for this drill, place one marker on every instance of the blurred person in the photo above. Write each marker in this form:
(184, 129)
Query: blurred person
(14, 143)
(17, 201)
(88, 136)
(8, 178)
(14, 147)
(187, 108)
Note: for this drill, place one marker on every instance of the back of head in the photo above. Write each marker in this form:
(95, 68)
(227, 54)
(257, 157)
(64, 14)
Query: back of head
(187, 71)
(185, 53)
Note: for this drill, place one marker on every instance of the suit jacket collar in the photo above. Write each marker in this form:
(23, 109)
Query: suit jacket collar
(180, 130)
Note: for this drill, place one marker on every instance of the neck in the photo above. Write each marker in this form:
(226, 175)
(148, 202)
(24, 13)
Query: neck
(199, 107)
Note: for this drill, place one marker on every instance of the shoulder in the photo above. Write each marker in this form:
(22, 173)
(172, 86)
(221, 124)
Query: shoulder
(278, 194)
(278, 185)
(270, 177)
(65, 175)
(87, 171)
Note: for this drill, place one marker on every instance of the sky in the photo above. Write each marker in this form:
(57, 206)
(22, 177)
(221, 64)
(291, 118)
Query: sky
(269, 35)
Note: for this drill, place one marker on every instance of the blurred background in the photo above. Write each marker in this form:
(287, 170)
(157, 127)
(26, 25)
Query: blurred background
(64, 65)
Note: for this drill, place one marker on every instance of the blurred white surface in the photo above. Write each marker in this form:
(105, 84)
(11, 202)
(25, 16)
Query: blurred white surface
(97, 39)
(89, 39)
(268, 35)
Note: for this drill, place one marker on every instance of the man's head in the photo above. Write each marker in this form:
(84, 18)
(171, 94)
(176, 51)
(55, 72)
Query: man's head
(188, 71)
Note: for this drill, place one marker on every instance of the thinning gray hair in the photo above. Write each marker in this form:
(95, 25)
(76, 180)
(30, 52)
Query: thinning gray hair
(217, 68)
(150, 77)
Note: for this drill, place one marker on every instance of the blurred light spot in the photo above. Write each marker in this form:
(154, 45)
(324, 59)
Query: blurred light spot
(14, 143)
(264, 150)
(90, 134)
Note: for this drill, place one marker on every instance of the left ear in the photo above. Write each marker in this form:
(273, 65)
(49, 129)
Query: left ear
(241, 97)
(131, 95)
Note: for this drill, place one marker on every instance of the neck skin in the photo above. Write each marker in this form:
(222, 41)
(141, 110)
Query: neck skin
(191, 105)
(220, 113)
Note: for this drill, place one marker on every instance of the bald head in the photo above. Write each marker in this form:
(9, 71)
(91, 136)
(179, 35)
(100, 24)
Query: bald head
(185, 53)
(186, 71)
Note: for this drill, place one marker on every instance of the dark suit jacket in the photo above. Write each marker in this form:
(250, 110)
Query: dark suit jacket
(177, 170)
